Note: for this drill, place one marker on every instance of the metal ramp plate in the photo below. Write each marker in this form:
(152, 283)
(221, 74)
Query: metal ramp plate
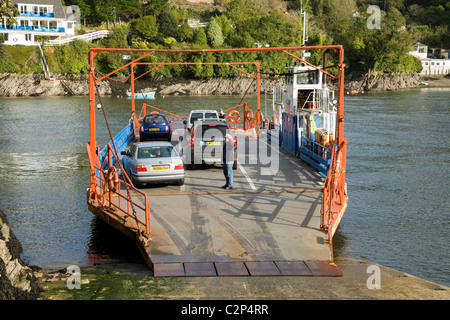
(262, 268)
(231, 269)
(311, 268)
(293, 268)
(168, 270)
(321, 268)
(200, 269)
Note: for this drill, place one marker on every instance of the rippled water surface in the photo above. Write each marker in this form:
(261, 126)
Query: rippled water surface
(397, 176)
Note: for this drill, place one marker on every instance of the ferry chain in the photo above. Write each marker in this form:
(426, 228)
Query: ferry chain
(140, 231)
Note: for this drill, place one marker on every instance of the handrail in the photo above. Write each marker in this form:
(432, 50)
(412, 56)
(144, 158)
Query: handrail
(334, 200)
(111, 197)
(87, 36)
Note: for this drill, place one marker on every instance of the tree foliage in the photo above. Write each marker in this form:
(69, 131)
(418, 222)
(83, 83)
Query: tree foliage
(215, 35)
(252, 23)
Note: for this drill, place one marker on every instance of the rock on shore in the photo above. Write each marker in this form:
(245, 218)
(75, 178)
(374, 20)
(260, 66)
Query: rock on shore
(382, 82)
(16, 85)
(17, 281)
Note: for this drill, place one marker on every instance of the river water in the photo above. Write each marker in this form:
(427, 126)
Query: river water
(397, 176)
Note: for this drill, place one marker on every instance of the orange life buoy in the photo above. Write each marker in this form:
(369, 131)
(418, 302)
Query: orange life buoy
(249, 115)
(113, 178)
(234, 116)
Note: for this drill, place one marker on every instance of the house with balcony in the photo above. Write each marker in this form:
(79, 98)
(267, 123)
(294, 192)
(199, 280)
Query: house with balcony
(38, 18)
(431, 65)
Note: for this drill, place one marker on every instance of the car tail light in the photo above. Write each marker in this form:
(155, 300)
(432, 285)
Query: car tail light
(142, 128)
(193, 138)
(167, 128)
(179, 166)
(141, 169)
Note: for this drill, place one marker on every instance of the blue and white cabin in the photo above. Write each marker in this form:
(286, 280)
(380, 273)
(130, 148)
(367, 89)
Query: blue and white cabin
(305, 113)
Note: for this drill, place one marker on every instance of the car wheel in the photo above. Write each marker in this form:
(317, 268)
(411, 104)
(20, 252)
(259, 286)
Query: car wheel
(135, 184)
(181, 182)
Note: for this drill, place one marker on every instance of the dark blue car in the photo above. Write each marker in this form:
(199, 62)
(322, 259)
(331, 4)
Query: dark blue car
(155, 126)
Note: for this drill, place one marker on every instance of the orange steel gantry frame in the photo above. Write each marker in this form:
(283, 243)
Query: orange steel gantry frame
(334, 199)
(146, 52)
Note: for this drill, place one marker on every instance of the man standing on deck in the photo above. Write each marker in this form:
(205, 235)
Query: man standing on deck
(227, 161)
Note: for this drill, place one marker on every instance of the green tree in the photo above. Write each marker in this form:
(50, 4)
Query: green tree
(167, 25)
(185, 32)
(8, 11)
(200, 37)
(215, 35)
(145, 27)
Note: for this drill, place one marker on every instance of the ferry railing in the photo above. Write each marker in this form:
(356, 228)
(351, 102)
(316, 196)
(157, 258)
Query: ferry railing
(334, 200)
(110, 191)
(315, 154)
(249, 120)
(176, 122)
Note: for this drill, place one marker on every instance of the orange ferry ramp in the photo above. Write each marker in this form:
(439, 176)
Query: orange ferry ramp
(267, 225)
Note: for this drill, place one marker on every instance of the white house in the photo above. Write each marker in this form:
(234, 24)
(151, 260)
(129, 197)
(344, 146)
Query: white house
(38, 18)
(431, 66)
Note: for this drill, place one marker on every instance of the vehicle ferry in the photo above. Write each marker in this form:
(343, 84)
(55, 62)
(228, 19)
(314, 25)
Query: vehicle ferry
(289, 192)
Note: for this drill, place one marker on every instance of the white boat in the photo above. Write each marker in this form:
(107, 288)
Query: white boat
(144, 95)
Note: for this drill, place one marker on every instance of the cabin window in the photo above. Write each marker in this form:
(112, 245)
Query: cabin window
(307, 77)
(28, 37)
(289, 77)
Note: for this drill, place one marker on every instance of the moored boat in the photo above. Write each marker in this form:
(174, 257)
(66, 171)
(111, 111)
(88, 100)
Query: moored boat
(143, 95)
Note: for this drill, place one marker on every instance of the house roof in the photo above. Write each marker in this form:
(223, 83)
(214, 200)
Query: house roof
(57, 6)
(418, 44)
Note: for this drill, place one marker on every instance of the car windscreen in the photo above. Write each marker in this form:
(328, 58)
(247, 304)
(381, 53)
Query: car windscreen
(156, 152)
(214, 132)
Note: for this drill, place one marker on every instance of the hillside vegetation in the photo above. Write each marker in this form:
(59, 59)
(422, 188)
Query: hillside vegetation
(247, 23)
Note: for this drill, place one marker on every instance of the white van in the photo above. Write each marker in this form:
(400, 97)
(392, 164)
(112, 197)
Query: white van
(199, 115)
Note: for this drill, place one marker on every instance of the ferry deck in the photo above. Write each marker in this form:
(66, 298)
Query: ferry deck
(279, 218)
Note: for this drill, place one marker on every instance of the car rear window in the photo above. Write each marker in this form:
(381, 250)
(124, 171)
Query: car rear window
(214, 130)
(155, 119)
(156, 152)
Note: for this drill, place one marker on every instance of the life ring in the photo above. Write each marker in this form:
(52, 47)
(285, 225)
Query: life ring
(113, 178)
(234, 116)
(249, 115)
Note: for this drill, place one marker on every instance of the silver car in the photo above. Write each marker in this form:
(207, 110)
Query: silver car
(153, 162)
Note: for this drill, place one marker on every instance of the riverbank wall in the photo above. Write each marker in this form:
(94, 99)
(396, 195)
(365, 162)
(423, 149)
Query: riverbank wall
(17, 280)
(23, 85)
